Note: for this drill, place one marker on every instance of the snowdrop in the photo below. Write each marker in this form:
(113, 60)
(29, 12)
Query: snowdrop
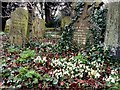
(111, 79)
(93, 72)
(97, 75)
(81, 75)
(72, 76)
(37, 58)
(44, 58)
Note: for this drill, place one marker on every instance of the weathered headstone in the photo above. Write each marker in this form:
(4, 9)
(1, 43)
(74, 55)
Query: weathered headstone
(66, 21)
(38, 28)
(112, 38)
(8, 26)
(82, 27)
(19, 26)
(80, 35)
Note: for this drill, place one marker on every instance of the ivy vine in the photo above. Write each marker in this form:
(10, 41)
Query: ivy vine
(66, 41)
(98, 20)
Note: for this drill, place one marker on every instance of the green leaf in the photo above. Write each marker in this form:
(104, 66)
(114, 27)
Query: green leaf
(19, 86)
(55, 81)
(47, 77)
(23, 70)
(37, 75)
(28, 75)
(27, 54)
(35, 81)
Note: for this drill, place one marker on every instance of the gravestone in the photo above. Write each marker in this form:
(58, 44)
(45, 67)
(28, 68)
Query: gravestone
(112, 38)
(82, 27)
(8, 26)
(38, 28)
(19, 26)
(80, 34)
(66, 21)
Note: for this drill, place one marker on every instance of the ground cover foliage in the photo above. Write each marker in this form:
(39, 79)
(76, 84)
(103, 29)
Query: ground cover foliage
(39, 67)
(63, 65)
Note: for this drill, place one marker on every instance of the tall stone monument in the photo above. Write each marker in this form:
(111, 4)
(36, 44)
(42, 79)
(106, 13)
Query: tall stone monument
(112, 38)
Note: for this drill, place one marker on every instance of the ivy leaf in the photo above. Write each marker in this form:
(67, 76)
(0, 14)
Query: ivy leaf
(19, 86)
(47, 77)
(29, 75)
(35, 81)
(55, 81)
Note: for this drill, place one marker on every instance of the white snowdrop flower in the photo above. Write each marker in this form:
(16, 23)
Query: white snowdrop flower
(63, 59)
(77, 66)
(76, 70)
(108, 79)
(8, 58)
(111, 79)
(94, 62)
(93, 72)
(89, 73)
(76, 75)
(112, 72)
(9, 68)
(74, 64)
(12, 71)
(73, 67)
(39, 58)
(84, 66)
(67, 72)
(58, 63)
(72, 72)
(65, 63)
(87, 67)
(68, 63)
(53, 60)
(60, 73)
(97, 65)
(70, 68)
(72, 76)
(72, 58)
(81, 70)
(97, 75)
(44, 58)
(80, 66)
(55, 71)
(63, 70)
(81, 75)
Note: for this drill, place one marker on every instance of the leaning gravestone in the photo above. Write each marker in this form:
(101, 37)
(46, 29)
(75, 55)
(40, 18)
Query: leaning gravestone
(19, 26)
(38, 28)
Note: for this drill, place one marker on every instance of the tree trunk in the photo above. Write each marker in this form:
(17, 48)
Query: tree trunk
(47, 13)
(112, 38)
